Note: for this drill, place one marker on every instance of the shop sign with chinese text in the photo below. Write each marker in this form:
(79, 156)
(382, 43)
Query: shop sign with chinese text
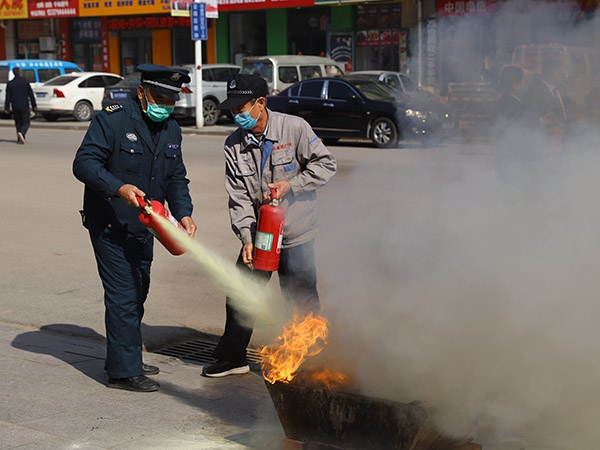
(53, 8)
(462, 8)
(13, 9)
(240, 5)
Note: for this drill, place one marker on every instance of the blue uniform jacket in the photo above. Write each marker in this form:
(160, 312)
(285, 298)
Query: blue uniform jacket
(116, 150)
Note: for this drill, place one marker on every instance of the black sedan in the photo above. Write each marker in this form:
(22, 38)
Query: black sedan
(358, 107)
(121, 92)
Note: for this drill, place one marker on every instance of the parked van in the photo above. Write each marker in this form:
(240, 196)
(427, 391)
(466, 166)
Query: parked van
(36, 71)
(281, 71)
(582, 65)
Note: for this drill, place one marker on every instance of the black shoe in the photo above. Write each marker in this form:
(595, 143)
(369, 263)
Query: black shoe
(224, 368)
(150, 370)
(147, 369)
(136, 384)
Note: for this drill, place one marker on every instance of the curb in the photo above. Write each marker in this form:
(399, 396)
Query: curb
(215, 130)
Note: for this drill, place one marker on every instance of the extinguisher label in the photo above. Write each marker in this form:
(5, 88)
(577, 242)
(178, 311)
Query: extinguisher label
(171, 218)
(264, 241)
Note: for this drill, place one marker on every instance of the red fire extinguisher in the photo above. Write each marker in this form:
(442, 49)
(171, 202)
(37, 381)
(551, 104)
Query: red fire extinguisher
(269, 235)
(159, 228)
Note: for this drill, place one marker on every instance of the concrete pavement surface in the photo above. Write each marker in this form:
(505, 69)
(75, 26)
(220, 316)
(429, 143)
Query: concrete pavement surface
(52, 382)
(53, 397)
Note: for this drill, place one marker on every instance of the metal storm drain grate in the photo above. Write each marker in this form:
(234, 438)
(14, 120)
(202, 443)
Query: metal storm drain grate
(200, 351)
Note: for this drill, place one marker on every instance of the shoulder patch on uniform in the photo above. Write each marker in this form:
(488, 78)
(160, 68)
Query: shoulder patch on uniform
(113, 108)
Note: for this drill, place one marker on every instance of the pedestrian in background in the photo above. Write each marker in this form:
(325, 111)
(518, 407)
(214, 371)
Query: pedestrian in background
(18, 97)
(546, 101)
(132, 150)
(270, 150)
(508, 113)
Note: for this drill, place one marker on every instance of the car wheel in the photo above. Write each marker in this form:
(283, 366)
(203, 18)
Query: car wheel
(83, 111)
(210, 112)
(50, 117)
(384, 133)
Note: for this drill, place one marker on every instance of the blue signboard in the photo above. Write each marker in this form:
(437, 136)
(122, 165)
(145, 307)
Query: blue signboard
(199, 26)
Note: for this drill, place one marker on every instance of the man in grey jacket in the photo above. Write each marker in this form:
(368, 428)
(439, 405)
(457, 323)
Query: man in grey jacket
(270, 150)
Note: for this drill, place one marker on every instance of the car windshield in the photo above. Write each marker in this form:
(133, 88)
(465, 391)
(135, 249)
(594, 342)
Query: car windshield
(131, 80)
(374, 90)
(262, 68)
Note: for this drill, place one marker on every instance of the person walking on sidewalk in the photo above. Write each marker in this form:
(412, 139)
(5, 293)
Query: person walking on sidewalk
(18, 95)
(132, 150)
(270, 150)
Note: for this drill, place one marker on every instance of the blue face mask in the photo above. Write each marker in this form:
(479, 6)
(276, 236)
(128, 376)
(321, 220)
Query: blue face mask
(157, 112)
(245, 120)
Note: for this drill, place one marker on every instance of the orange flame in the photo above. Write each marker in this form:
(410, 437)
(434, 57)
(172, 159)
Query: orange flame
(300, 339)
(330, 379)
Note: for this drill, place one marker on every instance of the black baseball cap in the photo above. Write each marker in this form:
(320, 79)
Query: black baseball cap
(243, 87)
(165, 81)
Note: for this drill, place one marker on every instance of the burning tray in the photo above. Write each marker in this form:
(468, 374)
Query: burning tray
(343, 420)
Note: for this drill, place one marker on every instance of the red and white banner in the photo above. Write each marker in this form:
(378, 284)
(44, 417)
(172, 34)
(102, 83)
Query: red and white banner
(53, 8)
(464, 8)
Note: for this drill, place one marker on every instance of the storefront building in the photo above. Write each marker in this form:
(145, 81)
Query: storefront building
(436, 41)
(471, 40)
(116, 35)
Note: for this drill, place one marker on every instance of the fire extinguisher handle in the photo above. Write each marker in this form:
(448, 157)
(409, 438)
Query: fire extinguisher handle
(274, 193)
(143, 203)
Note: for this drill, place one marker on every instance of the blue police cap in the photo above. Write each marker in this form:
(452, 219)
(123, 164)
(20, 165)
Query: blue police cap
(165, 81)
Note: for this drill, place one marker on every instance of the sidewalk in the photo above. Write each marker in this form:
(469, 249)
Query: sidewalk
(53, 397)
(223, 128)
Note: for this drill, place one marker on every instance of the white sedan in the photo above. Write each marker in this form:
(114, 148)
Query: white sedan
(76, 94)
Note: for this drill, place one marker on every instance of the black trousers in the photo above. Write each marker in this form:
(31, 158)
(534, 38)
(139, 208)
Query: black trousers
(298, 282)
(124, 268)
(22, 121)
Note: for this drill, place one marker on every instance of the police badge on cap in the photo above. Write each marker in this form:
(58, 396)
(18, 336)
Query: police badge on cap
(165, 81)
(244, 87)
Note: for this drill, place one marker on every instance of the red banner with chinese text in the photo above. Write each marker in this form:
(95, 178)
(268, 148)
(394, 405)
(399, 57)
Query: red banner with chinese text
(242, 5)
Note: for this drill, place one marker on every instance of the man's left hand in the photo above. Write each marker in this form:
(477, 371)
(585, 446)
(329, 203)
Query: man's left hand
(190, 226)
(281, 187)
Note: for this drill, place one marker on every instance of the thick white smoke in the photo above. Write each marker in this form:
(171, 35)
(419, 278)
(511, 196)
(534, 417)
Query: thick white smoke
(470, 291)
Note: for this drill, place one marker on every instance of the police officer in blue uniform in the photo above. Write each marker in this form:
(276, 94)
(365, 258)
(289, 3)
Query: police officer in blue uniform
(132, 150)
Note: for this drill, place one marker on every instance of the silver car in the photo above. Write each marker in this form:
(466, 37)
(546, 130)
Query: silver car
(214, 91)
(399, 81)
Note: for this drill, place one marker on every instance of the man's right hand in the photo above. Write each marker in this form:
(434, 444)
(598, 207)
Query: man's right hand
(247, 254)
(127, 193)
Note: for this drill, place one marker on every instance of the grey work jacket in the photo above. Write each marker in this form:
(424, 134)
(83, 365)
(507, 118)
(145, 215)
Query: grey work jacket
(298, 156)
